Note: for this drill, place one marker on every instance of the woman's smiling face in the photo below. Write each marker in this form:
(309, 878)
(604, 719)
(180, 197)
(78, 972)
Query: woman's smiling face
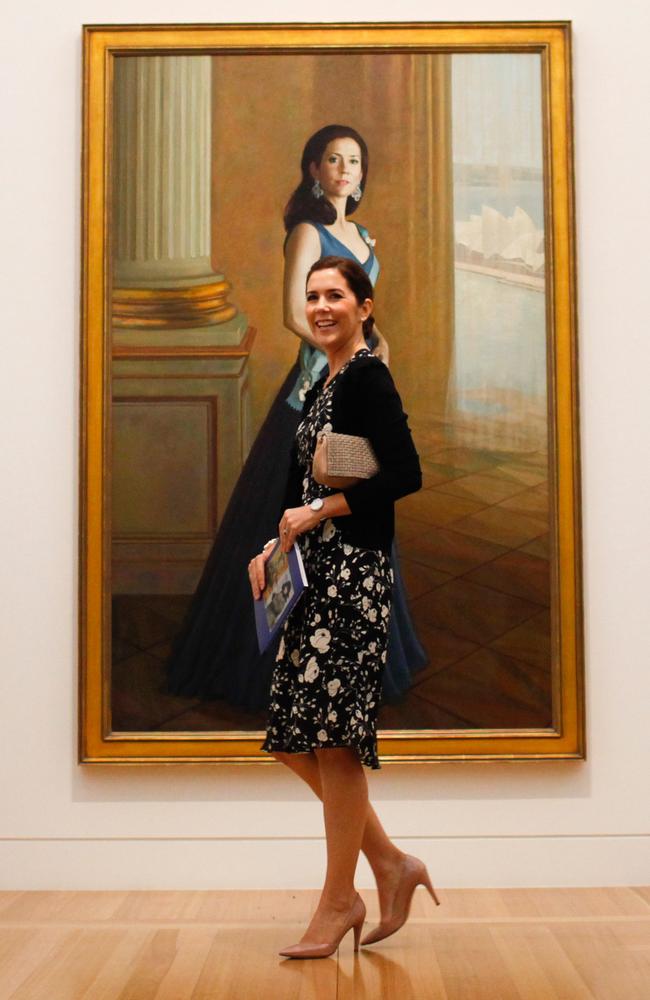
(335, 317)
(339, 171)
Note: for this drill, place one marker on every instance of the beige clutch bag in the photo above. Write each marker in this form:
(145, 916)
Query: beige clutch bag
(341, 460)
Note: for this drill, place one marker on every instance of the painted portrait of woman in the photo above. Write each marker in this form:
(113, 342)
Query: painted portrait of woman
(215, 653)
(403, 159)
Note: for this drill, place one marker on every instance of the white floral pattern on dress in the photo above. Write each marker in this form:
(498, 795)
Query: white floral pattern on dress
(326, 685)
(312, 671)
(321, 639)
(328, 530)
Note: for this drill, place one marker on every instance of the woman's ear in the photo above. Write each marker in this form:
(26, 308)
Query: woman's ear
(313, 170)
(366, 308)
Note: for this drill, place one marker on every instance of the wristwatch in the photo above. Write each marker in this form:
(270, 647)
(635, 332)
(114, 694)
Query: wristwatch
(316, 504)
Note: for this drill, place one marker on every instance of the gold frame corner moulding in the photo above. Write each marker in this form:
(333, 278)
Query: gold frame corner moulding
(183, 348)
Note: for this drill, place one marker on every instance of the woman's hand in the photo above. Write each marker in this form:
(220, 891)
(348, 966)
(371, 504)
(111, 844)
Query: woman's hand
(256, 571)
(295, 521)
(382, 351)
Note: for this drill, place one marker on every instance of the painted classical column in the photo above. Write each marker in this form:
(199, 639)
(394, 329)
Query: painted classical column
(162, 275)
(180, 349)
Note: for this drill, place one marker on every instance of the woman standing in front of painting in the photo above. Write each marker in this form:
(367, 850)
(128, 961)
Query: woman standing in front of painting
(215, 653)
(328, 675)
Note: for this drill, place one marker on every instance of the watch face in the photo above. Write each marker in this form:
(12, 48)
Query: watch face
(316, 504)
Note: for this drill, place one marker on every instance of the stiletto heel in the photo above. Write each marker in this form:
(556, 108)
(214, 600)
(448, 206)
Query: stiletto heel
(414, 874)
(357, 932)
(426, 882)
(355, 921)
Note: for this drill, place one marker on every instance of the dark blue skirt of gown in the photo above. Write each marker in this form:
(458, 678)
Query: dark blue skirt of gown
(215, 653)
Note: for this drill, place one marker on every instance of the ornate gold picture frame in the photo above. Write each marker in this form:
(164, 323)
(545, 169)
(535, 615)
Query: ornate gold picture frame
(192, 139)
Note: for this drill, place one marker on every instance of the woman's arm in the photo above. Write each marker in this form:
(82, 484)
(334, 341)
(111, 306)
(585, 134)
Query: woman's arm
(302, 249)
(297, 520)
(381, 351)
(373, 409)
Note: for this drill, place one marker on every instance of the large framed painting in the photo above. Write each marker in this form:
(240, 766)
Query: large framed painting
(202, 146)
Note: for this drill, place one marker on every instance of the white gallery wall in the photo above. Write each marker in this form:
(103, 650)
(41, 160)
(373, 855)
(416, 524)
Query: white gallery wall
(68, 826)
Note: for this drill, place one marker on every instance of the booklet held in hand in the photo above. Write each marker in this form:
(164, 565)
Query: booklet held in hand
(285, 582)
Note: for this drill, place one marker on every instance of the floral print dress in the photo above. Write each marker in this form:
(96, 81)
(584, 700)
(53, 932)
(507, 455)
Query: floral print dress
(326, 684)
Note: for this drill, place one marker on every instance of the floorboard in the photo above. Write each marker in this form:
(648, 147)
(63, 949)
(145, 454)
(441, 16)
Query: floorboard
(481, 944)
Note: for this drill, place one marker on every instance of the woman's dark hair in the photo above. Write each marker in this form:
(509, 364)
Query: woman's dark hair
(358, 282)
(302, 206)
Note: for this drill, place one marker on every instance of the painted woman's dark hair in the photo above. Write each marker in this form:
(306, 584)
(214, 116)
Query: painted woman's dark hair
(302, 205)
(358, 282)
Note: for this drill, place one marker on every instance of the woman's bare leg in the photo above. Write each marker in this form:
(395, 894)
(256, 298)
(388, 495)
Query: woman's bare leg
(384, 858)
(345, 806)
(345, 809)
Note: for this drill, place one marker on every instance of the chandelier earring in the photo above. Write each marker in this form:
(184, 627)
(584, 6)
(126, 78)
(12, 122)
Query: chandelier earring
(357, 194)
(317, 190)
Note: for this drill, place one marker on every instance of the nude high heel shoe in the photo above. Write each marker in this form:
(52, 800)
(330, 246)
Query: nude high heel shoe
(355, 919)
(414, 873)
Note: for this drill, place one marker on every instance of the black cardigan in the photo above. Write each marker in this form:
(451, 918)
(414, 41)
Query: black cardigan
(366, 403)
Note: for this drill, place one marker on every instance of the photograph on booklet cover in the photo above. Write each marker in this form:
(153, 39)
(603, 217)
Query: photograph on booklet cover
(285, 583)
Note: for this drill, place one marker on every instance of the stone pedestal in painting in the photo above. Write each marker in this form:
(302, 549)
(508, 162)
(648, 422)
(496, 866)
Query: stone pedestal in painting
(180, 348)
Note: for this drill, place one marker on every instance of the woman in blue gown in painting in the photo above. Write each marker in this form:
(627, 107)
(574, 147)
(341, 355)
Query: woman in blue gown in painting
(215, 653)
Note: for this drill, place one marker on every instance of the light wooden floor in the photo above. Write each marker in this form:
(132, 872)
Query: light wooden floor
(509, 944)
